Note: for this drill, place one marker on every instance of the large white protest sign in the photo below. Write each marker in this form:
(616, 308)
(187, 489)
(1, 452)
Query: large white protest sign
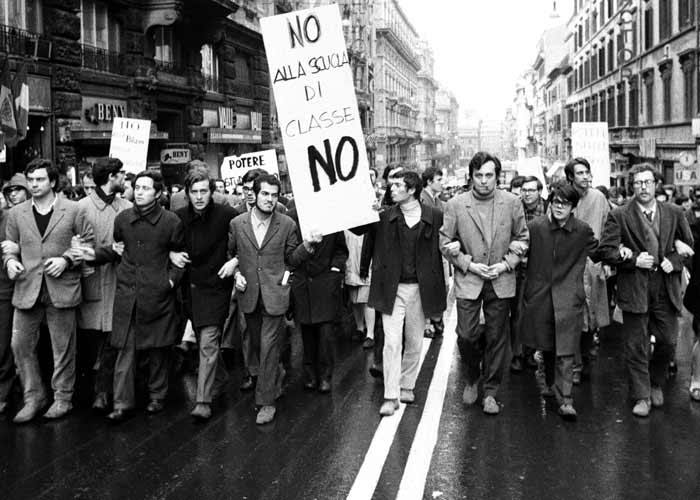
(130, 143)
(319, 120)
(589, 140)
(233, 168)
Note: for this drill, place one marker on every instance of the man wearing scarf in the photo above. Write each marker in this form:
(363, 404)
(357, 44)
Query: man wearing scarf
(101, 207)
(145, 317)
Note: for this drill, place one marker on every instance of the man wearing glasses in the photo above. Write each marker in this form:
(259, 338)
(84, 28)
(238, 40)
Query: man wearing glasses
(639, 239)
(593, 209)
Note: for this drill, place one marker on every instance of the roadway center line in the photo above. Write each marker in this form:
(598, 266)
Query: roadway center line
(418, 464)
(371, 469)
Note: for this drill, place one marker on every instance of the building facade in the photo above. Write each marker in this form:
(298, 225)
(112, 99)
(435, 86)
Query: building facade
(447, 126)
(427, 117)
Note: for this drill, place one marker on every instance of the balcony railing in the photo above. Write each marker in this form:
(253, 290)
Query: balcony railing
(174, 67)
(99, 59)
(17, 41)
(212, 83)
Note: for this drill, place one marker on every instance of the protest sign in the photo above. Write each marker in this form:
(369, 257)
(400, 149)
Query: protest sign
(233, 168)
(688, 175)
(130, 143)
(589, 140)
(319, 120)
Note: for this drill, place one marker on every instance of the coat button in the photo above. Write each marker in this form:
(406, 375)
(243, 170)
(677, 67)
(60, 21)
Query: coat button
(260, 269)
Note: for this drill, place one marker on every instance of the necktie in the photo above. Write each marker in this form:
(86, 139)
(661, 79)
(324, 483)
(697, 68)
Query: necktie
(648, 214)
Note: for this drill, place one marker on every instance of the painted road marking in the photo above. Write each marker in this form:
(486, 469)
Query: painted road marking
(373, 464)
(416, 471)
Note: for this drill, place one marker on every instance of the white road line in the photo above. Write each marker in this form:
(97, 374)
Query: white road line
(421, 454)
(368, 475)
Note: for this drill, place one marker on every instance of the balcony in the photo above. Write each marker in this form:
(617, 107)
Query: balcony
(15, 41)
(211, 83)
(173, 67)
(98, 59)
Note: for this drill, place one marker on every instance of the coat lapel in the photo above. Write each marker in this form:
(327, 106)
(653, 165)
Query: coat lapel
(59, 211)
(665, 224)
(498, 213)
(472, 213)
(30, 221)
(271, 229)
(248, 230)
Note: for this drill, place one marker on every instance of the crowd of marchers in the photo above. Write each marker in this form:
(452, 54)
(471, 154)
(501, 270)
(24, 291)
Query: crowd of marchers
(125, 272)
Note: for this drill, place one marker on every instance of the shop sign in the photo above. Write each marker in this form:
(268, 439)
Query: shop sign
(174, 156)
(686, 175)
(100, 112)
(319, 119)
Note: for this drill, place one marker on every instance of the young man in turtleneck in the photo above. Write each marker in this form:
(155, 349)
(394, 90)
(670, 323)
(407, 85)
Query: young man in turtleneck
(408, 284)
(483, 236)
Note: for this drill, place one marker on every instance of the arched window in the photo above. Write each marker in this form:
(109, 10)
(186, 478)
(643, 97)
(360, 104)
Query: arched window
(22, 14)
(210, 68)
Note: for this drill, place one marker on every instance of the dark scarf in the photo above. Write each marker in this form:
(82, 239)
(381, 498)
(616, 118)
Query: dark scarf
(107, 198)
(144, 212)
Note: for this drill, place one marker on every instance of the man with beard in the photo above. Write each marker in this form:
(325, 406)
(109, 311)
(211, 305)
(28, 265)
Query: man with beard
(101, 207)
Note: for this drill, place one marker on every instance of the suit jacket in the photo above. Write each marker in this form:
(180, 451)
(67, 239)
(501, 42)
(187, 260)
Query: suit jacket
(436, 202)
(462, 224)
(384, 244)
(67, 220)
(263, 266)
(625, 225)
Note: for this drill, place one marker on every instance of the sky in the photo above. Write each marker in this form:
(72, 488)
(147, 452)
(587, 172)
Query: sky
(482, 46)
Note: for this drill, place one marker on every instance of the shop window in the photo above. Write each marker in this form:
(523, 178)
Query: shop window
(22, 14)
(210, 68)
(98, 28)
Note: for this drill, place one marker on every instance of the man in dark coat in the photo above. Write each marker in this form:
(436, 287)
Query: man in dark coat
(408, 283)
(317, 298)
(145, 316)
(208, 280)
(691, 299)
(649, 282)
(553, 303)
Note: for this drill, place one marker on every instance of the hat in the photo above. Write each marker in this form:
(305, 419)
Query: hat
(17, 180)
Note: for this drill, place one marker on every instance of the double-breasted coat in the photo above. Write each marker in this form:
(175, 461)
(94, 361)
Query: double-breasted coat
(206, 297)
(317, 282)
(384, 243)
(554, 298)
(96, 310)
(143, 278)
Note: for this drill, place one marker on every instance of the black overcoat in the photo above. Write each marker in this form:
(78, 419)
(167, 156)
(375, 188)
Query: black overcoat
(383, 240)
(553, 303)
(206, 297)
(691, 299)
(143, 276)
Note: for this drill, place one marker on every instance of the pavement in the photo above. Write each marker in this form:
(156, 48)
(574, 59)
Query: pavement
(337, 446)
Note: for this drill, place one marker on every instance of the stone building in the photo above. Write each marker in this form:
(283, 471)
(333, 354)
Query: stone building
(427, 117)
(447, 110)
(186, 65)
(395, 86)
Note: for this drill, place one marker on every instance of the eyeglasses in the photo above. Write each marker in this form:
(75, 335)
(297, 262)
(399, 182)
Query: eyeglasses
(558, 202)
(646, 183)
(528, 191)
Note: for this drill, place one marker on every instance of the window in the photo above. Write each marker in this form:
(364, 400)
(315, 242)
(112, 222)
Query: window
(611, 8)
(594, 67)
(611, 107)
(688, 87)
(594, 109)
(601, 60)
(601, 100)
(633, 102)
(649, 91)
(240, 63)
(97, 27)
(587, 110)
(648, 28)
(611, 53)
(210, 68)
(666, 87)
(164, 44)
(686, 13)
(621, 112)
(665, 19)
(22, 14)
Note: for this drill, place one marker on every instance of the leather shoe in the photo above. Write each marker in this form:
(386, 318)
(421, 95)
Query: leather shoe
(439, 327)
(58, 410)
(358, 336)
(248, 383)
(695, 394)
(429, 333)
(324, 387)
(265, 415)
(368, 343)
(491, 406)
(118, 415)
(376, 371)
(567, 412)
(29, 411)
(516, 364)
(389, 407)
(3, 407)
(101, 403)
(641, 408)
(407, 396)
(201, 411)
(154, 406)
(470, 394)
(310, 385)
(657, 397)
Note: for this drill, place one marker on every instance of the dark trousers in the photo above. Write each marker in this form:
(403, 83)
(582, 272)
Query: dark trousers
(96, 353)
(319, 351)
(516, 304)
(645, 370)
(7, 363)
(485, 346)
(264, 336)
(125, 372)
(559, 374)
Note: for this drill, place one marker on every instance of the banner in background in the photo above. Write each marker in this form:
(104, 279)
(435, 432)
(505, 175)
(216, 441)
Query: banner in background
(590, 140)
(233, 168)
(319, 119)
(130, 143)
